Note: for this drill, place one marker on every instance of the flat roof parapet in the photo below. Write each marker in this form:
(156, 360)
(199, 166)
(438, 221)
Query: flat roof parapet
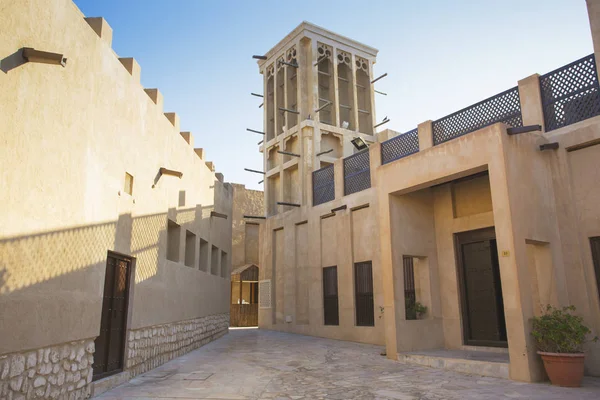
(102, 28)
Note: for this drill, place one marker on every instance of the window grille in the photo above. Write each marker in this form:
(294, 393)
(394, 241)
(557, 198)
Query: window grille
(357, 172)
(323, 185)
(503, 107)
(570, 93)
(400, 146)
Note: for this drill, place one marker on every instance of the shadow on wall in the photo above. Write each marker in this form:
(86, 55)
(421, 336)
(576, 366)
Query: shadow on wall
(41, 258)
(12, 61)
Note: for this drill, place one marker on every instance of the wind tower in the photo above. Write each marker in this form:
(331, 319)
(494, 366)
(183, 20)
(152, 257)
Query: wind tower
(318, 97)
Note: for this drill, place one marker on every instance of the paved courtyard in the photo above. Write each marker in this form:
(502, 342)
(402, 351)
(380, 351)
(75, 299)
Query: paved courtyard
(256, 364)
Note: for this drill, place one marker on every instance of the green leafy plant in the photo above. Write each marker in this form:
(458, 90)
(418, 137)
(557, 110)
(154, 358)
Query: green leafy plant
(557, 330)
(414, 310)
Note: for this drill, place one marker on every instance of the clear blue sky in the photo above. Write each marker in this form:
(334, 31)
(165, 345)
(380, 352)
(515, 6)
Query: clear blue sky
(440, 56)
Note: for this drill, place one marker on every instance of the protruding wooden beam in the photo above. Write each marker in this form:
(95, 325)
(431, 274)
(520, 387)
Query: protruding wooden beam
(254, 217)
(287, 153)
(218, 215)
(523, 129)
(255, 131)
(43, 57)
(378, 78)
(259, 57)
(324, 152)
(323, 106)
(283, 203)
(287, 63)
(288, 110)
(385, 121)
(165, 171)
(340, 208)
(253, 170)
(549, 146)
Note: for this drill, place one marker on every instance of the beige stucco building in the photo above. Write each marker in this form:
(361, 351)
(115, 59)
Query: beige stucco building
(483, 216)
(115, 232)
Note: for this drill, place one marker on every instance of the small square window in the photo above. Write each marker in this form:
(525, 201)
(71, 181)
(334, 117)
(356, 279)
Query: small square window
(128, 184)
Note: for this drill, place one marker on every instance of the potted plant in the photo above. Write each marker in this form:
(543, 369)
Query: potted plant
(559, 336)
(414, 309)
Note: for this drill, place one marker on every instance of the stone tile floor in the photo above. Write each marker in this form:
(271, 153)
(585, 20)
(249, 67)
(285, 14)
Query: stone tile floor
(257, 364)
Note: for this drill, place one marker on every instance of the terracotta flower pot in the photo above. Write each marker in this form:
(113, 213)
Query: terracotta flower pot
(564, 369)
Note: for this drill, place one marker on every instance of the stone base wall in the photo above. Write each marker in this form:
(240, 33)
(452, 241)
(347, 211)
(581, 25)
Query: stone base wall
(152, 346)
(57, 372)
(65, 371)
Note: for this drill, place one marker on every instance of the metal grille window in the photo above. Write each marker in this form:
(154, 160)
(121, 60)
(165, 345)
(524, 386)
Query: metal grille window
(323, 185)
(363, 285)
(410, 295)
(400, 146)
(330, 296)
(570, 93)
(503, 107)
(357, 173)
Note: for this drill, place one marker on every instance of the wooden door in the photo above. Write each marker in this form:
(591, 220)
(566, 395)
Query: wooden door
(110, 345)
(481, 290)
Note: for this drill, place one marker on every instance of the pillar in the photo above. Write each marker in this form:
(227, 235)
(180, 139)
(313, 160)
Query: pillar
(531, 101)
(425, 135)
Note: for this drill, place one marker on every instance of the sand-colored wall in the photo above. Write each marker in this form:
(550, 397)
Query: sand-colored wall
(245, 234)
(69, 135)
(305, 240)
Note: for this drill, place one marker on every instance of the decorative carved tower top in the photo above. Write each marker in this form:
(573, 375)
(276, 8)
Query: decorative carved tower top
(318, 96)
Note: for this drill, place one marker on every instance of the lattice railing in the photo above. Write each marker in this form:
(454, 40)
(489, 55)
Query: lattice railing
(323, 185)
(570, 94)
(503, 107)
(400, 146)
(357, 172)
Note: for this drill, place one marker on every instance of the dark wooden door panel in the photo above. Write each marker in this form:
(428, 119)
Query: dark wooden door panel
(108, 358)
(330, 296)
(481, 290)
(595, 243)
(363, 281)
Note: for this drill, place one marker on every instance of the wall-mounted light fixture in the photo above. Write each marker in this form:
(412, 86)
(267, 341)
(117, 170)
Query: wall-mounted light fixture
(359, 143)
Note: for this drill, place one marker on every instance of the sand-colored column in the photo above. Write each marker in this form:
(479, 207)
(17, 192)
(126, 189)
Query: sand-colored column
(338, 167)
(374, 161)
(425, 135)
(531, 101)
(387, 275)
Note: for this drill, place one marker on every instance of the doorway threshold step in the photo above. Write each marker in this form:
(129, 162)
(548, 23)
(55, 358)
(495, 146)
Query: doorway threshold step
(480, 363)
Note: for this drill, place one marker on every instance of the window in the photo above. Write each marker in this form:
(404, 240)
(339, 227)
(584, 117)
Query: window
(173, 233)
(325, 84)
(203, 259)
(224, 266)
(214, 260)
(595, 243)
(128, 184)
(244, 292)
(190, 249)
(345, 90)
(330, 296)
(363, 285)
(410, 294)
